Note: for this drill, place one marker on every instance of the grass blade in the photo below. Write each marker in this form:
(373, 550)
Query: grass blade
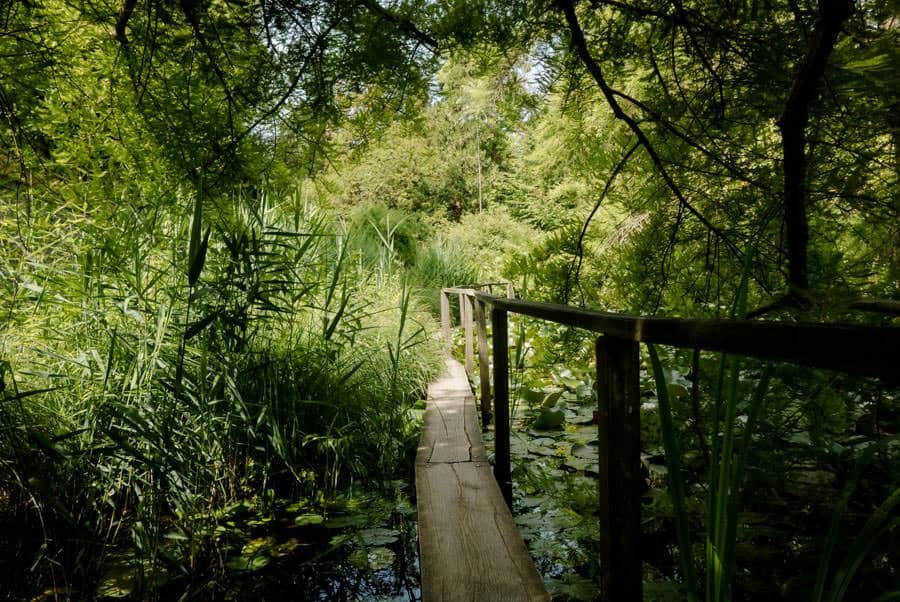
(676, 479)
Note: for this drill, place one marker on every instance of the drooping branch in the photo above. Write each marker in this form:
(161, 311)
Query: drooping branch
(793, 122)
(596, 72)
(189, 8)
(122, 20)
(402, 23)
(574, 270)
(640, 11)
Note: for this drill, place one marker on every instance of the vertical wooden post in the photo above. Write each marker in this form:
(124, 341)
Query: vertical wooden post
(618, 374)
(467, 326)
(445, 318)
(484, 371)
(510, 291)
(502, 470)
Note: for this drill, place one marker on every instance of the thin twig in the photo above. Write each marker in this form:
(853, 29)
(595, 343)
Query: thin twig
(580, 247)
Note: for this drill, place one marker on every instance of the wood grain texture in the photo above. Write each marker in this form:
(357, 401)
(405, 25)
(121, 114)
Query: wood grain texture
(469, 546)
(620, 480)
(854, 349)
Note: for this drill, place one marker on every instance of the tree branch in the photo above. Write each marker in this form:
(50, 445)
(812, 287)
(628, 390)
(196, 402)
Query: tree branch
(580, 247)
(594, 69)
(122, 20)
(793, 122)
(402, 23)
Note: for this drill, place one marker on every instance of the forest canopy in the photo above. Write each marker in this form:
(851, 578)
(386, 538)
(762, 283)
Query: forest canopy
(758, 130)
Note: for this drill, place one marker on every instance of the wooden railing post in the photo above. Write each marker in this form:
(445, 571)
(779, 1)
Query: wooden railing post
(484, 370)
(445, 318)
(467, 326)
(619, 426)
(502, 470)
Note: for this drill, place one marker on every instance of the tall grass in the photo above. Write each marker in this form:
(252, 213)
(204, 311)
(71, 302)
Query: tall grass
(153, 378)
(725, 479)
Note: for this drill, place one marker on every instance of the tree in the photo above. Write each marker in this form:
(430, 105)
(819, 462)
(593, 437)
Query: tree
(712, 97)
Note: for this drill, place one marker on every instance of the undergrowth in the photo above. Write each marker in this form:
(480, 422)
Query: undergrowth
(153, 379)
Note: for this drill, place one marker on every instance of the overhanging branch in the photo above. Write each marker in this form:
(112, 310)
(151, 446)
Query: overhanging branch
(596, 72)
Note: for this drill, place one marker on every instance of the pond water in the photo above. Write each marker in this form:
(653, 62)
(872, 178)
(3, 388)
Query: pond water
(554, 451)
(360, 546)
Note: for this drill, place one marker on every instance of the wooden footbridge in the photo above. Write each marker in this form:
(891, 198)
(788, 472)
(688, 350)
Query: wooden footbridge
(469, 547)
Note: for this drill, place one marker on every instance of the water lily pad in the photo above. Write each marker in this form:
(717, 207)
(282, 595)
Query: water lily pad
(377, 536)
(304, 520)
(584, 391)
(659, 469)
(346, 520)
(551, 399)
(587, 452)
(531, 396)
(583, 415)
(543, 446)
(549, 419)
(578, 464)
(285, 548)
(801, 438)
(582, 434)
(259, 544)
(566, 378)
(380, 558)
(297, 506)
(372, 558)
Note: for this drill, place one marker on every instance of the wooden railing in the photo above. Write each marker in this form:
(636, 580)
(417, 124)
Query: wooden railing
(862, 350)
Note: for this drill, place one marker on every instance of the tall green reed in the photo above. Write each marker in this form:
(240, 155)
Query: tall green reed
(145, 409)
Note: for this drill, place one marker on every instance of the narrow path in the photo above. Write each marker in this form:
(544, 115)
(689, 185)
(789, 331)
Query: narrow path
(469, 546)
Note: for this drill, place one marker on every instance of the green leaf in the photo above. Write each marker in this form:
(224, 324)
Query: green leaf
(197, 259)
(550, 419)
(197, 327)
(676, 480)
(304, 520)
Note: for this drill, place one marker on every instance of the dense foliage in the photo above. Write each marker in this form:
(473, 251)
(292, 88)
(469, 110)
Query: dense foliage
(223, 224)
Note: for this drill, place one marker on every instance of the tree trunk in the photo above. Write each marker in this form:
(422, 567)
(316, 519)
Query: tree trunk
(793, 122)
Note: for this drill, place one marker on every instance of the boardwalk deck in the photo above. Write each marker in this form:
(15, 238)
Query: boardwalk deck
(469, 546)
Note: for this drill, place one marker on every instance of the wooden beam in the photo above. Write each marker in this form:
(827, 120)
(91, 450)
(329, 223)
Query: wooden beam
(469, 546)
(467, 328)
(484, 370)
(445, 318)
(502, 468)
(619, 439)
(864, 350)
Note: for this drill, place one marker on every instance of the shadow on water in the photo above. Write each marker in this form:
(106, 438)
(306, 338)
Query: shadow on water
(362, 547)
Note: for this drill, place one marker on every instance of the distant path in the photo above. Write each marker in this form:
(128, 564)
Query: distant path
(469, 546)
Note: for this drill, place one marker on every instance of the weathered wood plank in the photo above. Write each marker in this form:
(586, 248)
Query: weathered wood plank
(619, 439)
(484, 370)
(467, 328)
(445, 318)
(502, 465)
(469, 546)
(451, 432)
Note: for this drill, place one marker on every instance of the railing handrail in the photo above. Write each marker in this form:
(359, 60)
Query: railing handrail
(849, 348)
(853, 349)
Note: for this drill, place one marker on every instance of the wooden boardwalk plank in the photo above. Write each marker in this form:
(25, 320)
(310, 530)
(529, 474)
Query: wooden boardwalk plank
(469, 546)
